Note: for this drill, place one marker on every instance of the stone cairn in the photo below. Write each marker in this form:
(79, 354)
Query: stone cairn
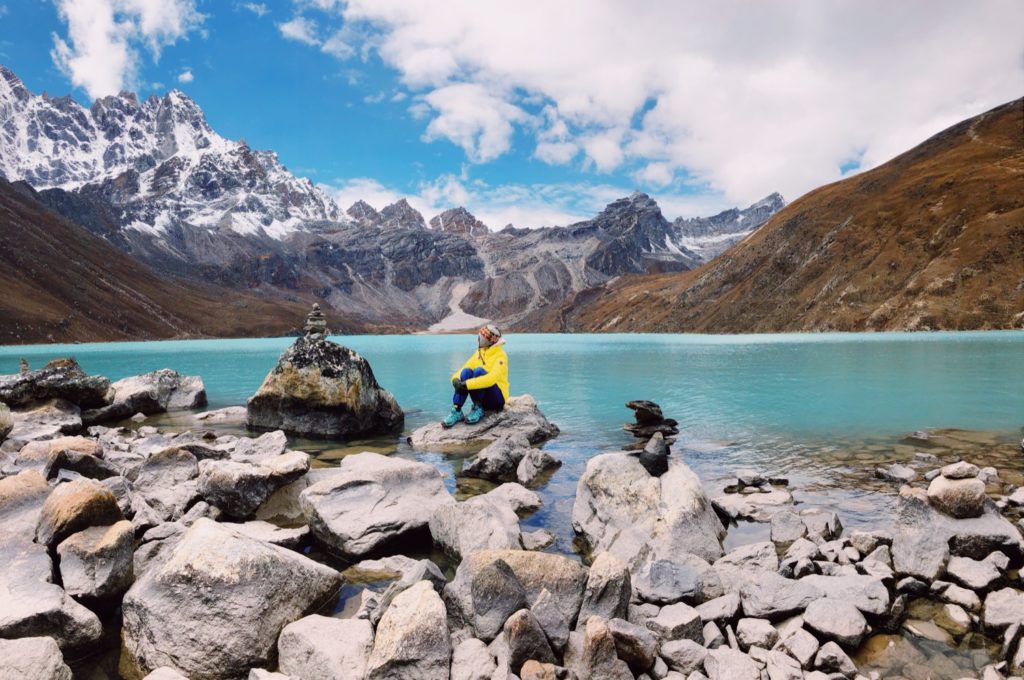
(316, 323)
(654, 433)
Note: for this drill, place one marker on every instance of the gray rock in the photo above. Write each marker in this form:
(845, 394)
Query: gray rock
(321, 647)
(472, 661)
(286, 537)
(866, 593)
(973, 574)
(473, 525)
(958, 498)
(519, 417)
(953, 619)
(801, 645)
(967, 599)
(322, 390)
(713, 635)
(960, 470)
(58, 379)
(668, 581)
(6, 422)
(654, 456)
(869, 541)
(254, 674)
(635, 645)
(770, 596)
(495, 594)
(897, 472)
(33, 606)
(756, 633)
(608, 589)
(516, 496)
(752, 556)
(721, 609)
(238, 489)
(754, 504)
(216, 605)
(729, 664)
(683, 656)
(537, 540)
(371, 501)
(787, 526)
(412, 573)
(21, 500)
(534, 465)
(836, 620)
(551, 619)
(75, 506)
(526, 640)
(823, 523)
(97, 563)
(620, 508)
(1003, 608)
(167, 481)
(592, 653)
(676, 622)
(412, 638)
(257, 449)
(156, 392)
(499, 461)
(32, 658)
(783, 667)
(47, 421)
(832, 659)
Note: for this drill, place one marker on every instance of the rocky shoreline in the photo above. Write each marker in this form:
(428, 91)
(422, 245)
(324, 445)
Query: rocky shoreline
(197, 548)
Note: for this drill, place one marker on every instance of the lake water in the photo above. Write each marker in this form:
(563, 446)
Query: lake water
(822, 409)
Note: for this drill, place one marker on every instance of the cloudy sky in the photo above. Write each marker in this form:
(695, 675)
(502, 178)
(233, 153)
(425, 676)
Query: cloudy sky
(540, 112)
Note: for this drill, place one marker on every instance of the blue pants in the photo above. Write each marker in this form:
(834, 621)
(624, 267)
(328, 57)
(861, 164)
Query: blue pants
(489, 398)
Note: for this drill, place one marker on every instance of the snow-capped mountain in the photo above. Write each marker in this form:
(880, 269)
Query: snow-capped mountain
(709, 237)
(158, 161)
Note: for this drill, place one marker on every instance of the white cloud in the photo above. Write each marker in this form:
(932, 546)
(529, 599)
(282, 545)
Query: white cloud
(302, 29)
(745, 97)
(186, 76)
(3, 10)
(101, 51)
(257, 8)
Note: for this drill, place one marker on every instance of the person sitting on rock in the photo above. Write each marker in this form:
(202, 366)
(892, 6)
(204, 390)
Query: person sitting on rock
(484, 378)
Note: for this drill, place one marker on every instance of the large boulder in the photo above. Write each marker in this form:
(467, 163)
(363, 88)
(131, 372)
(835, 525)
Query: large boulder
(31, 604)
(32, 658)
(479, 523)
(412, 639)
(167, 480)
(74, 506)
(215, 606)
(372, 500)
(519, 417)
(319, 389)
(620, 508)
(97, 563)
(156, 392)
(21, 500)
(240, 488)
(325, 648)
(59, 379)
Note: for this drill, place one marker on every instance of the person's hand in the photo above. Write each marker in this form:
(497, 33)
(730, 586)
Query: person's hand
(458, 385)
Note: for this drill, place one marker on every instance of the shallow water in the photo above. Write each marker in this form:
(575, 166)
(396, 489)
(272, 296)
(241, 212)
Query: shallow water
(821, 409)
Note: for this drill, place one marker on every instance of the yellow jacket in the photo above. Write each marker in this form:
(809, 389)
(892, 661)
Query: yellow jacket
(493, 360)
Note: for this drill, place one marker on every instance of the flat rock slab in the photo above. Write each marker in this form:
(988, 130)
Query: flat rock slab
(520, 416)
(757, 507)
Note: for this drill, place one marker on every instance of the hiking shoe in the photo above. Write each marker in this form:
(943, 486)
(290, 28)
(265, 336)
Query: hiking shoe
(475, 415)
(453, 417)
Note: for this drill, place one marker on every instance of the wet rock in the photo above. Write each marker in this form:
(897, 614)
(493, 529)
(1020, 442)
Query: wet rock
(621, 509)
(836, 620)
(168, 482)
(973, 574)
(156, 392)
(958, 498)
(59, 379)
(953, 619)
(97, 563)
(897, 472)
(325, 648)
(683, 656)
(756, 633)
(216, 605)
(499, 460)
(238, 489)
(534, 465)
(832, 659)
(729, 664)
(320, 389)
(21, 501)
(32, 658)
(519, 417)
(608, 589)
(767, 595)
(479, 523)
(592, 653)
(412, 638)
(866, 593)
(526, 640)
(757, 506)
(677, 622)
(75, 506)
(801, 645)
(34, 606)
(472, 661)
(1003, 608)
(635, 645)
(371, 501)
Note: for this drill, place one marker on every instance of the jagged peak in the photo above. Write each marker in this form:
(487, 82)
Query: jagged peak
(458, 220)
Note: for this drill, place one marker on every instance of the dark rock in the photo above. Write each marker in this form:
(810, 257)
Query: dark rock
(499, 460)
(654, 457)
(646, 412)
(526, 640)
(676, 622)
(59, 379)
(608, 589)
(635, 645)
(320, 389)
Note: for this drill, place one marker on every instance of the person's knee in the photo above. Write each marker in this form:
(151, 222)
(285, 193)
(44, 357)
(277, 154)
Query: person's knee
(479, 372)
(466, 374)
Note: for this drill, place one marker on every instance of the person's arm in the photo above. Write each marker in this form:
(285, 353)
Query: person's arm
(469, 364)
(498, 371)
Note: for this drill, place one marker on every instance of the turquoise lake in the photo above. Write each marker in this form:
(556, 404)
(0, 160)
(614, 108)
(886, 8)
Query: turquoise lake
(790, 404)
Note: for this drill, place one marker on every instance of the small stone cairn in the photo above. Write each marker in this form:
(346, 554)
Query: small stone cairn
(649, 421)
(316, 323)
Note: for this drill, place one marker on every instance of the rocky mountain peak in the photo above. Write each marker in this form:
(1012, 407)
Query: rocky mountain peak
(402, 215)
(458, 221)
(364, 213)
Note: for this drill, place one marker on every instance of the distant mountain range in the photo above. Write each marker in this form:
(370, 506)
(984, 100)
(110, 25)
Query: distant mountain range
(933, 239)
(155, 181)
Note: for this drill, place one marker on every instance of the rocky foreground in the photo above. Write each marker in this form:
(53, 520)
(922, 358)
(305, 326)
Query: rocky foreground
(196, 545)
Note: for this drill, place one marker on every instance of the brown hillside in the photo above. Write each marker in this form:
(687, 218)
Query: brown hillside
(933, 239)
(61, 283)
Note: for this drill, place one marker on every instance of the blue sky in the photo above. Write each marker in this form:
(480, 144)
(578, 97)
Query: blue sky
(539, 113)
